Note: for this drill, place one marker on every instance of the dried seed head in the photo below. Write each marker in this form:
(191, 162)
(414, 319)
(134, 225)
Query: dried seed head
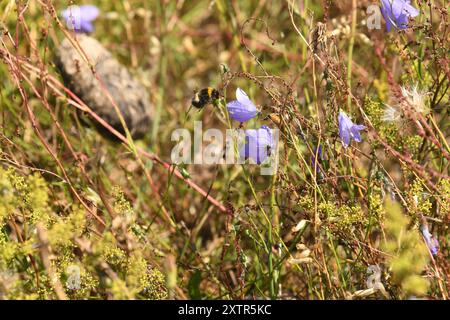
(416, 99)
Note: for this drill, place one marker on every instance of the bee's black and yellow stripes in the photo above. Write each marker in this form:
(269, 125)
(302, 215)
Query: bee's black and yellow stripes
(204, 97)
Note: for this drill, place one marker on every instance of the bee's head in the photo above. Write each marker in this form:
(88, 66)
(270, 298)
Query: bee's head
(214, 94)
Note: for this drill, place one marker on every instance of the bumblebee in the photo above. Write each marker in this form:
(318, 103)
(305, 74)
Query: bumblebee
(204, 97)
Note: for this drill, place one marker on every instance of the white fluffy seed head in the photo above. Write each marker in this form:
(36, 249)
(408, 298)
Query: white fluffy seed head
(391, 114)
(416, 99)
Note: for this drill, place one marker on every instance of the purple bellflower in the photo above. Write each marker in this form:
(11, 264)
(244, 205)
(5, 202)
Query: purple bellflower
(79, 18)
(258, 144)
(430, 240)
(241, 109)
(397, 12)
(348, 130)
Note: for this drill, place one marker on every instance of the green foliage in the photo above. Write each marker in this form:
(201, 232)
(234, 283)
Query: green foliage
(376, 207)
(418, 201)
(407, 253)
(345, 217)
(444, 186)
(26, 198)
(387, 129)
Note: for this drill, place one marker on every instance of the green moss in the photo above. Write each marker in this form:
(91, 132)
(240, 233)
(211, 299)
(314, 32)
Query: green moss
(418, 202)
(444, 188)
(305, 202)
(26, 198)
(38, 198)
(119, 290)
(413, 144)
(65, 229)
(121, 205)
(376, 207)
(343, 216)
(382, 89)
(388, 131)
(8, 251)
(109, 251)
(156, 288)
(148, 282)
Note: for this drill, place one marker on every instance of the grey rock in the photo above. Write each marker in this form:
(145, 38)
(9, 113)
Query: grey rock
(130, 96)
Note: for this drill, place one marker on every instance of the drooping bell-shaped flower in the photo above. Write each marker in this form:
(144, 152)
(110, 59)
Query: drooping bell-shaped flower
(430, 240)
(397, 12)
(241, 109)
(79, 18)
(259, 144)
(348, 130)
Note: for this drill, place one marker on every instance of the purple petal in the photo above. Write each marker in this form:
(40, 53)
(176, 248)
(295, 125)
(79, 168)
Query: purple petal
(354, 131)
(67, 12)
(387, 18)
(397, 12)
(241, 112)
(89, 12)
(258, 144)
(348, 130)
(430, 241)
(249, 148)
(86, 26)
(319, 152)
(434, 246)
(345, 120)
(243, 98)
(72, 15)
(79, 18)
(391, 12)
(345, 138)
(345, 125)
(411, 11)
(397, 7)
(402, 22)
(265, 136)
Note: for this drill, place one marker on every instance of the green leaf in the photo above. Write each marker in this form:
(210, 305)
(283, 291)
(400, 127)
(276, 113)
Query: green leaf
(194, 285)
